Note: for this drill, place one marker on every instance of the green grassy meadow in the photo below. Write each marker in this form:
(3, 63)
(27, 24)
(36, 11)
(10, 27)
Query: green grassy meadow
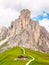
(7, 57)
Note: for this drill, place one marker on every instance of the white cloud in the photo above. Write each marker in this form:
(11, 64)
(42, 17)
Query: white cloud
(45, 23)
(35, 6)
(6, 16)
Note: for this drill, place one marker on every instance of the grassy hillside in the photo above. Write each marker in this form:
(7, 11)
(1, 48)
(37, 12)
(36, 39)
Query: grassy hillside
(8, 57)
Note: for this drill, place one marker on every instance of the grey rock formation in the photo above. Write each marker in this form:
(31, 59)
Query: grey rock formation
(3, 33)
(27, 33)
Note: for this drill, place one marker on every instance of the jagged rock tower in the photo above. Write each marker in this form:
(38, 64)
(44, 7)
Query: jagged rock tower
(25, 18)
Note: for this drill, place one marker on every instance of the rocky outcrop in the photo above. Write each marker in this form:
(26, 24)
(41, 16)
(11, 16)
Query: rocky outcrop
(27, 33)
(24, 18)
(3, 33)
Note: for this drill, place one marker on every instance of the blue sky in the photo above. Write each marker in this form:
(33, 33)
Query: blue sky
(43, 15)
(10, 10)
(43, 19)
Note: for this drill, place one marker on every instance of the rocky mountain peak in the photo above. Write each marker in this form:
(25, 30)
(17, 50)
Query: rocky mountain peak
(27, 33)
(25, 13)
(24, 17)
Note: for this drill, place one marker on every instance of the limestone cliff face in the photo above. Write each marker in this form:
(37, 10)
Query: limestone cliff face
(25, 18)
(27, 33)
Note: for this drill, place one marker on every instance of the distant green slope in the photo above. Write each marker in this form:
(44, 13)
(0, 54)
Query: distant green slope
(7, 57)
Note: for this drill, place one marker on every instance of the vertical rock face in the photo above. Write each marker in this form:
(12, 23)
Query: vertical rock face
(25, 18)
(28, 33)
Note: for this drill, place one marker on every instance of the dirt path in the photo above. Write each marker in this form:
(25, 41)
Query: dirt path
(30, 56)
(23, 49)
(30, 61)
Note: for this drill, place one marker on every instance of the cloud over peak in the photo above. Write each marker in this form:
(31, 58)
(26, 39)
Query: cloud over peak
(10, 9)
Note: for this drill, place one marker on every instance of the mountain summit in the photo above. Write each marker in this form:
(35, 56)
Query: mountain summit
(26, 33)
